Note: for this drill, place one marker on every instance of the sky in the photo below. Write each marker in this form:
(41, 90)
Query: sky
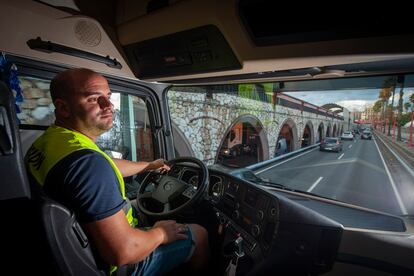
(353, 100)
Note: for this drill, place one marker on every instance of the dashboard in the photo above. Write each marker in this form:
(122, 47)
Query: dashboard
(265, 227)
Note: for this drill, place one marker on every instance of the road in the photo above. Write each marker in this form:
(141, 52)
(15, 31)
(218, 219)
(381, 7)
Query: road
(357, 175)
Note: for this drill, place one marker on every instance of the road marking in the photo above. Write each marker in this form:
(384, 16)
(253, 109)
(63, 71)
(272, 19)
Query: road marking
(350, 146)
(342, 155)
(330, 163)
(287, 160)
(397, 194)
(314, 184)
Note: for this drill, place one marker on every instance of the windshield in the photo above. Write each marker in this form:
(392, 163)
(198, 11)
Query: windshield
(279, 130)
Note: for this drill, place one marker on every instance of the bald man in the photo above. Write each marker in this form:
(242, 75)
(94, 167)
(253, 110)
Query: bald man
(71, 168)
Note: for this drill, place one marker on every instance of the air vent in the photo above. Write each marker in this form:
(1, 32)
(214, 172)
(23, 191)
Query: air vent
(87, 33)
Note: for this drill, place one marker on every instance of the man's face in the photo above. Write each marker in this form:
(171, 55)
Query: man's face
(91, 107)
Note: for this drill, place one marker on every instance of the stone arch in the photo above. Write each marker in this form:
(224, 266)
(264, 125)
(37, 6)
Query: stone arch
(342, 130)
(320, 132)
(334, 134)
(308, 135)
(328, 130)
(288, 131)
(244, 137)
(182, 146)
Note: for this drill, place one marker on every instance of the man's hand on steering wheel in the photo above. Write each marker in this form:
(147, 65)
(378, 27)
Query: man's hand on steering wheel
(159, 166)
(169, 190)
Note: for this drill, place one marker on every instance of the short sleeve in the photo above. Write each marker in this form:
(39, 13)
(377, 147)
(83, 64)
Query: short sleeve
(88, 185)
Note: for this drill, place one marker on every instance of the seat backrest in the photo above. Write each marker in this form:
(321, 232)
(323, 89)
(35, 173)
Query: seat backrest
(65, 239)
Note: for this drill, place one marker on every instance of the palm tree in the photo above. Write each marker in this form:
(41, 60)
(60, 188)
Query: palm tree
(385, 94)
(401, 80)
(377, 109)
(377, 106)
(391, 84)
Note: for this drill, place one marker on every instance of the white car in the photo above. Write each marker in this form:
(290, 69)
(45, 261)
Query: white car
(347, 135)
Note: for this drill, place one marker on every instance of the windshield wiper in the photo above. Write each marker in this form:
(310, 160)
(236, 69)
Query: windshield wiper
(268, 183)
(251, 177)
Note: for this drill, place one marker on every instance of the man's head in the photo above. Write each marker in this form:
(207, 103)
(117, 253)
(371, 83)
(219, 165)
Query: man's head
(82, 101)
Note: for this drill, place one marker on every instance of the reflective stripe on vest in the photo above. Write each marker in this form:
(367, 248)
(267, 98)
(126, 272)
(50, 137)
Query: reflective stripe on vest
(57, 143)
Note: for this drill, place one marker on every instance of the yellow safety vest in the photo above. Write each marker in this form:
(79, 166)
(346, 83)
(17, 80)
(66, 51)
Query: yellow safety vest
(57, 143)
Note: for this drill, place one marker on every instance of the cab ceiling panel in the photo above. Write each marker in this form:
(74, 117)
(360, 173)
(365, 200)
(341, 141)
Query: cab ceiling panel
(195, 39)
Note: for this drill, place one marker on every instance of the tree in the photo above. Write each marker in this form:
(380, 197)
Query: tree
(390, 83)
(384, 95)
(377, 106)
(376, 109)
(401, 80)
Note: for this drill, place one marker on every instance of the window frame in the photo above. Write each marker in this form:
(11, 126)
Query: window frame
(146, 91)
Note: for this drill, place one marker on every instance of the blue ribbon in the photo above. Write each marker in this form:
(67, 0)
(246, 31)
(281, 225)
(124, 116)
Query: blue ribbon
(14, 84)
(10, 75)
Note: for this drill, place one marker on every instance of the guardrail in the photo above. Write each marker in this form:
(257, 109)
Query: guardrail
(279, 158)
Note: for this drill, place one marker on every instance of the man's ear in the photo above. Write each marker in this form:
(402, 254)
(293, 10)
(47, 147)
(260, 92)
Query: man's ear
(62, 108)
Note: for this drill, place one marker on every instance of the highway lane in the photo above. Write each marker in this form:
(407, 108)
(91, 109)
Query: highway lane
(356, 175)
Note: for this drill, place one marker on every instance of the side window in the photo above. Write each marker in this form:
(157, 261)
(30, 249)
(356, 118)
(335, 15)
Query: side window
(130, 137)
(131, 134)
(37, 107)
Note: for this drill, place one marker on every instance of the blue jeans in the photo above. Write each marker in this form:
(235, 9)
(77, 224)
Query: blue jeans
(166, 257)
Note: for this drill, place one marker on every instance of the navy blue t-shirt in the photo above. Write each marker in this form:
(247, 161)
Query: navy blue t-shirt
(85, 182)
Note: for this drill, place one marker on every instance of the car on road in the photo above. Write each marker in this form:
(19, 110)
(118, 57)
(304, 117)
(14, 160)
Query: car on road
(331, 144)
(347, 135)
(366, 135)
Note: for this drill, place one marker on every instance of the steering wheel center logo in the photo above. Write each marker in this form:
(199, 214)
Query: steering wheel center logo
(168, 186)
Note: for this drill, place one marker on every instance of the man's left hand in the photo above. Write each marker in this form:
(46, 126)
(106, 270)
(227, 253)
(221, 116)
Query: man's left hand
(160, 166)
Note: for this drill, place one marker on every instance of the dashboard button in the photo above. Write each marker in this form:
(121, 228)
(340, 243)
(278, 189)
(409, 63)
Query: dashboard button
(255, 230)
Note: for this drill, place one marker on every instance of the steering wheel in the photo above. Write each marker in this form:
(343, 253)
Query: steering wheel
(168, 189)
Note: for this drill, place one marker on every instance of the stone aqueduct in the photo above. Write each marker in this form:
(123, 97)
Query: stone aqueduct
(212, 116)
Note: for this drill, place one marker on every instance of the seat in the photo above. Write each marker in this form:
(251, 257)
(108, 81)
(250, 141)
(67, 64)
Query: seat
(65, 239)
(39, 235)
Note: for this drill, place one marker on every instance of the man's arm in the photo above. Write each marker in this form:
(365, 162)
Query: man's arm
(92, 190)
(118, 243)
(128, 168)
